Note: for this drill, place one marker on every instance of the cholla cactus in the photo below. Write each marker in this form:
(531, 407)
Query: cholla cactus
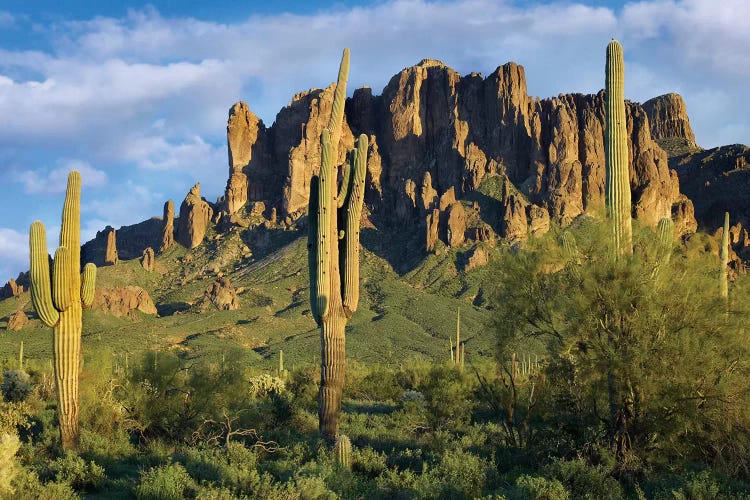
(264, 385)
(59, 301)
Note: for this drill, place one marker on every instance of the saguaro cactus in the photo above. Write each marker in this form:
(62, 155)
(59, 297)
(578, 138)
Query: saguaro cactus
(59, 302)
(724, 257)
(343, 452)
(616, 152)
(333, 247)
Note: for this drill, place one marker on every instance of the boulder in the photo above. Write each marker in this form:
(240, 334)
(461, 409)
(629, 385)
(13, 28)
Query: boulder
(222, 295)
(123, 300)
(17, 321)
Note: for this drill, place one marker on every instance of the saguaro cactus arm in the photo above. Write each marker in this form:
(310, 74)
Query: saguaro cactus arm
(41, 290)
(62, 292)
(88, 283)
(312, 245)
(352, 215)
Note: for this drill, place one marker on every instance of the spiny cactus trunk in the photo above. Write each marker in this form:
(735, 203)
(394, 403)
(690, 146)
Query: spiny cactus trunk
(616, 152)
(67, 357)
(333, 370)
(724, 257)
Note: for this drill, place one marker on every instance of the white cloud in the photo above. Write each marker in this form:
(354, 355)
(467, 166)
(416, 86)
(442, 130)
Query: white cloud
(14, 249)
(55, 180)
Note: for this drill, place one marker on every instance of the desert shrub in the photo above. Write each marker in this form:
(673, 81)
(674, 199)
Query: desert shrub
(368, 462)
(644, 357)
(29, 487)
(16, 385)
(171, 397)
(693, 485)
(377, 383)
(14, 417)
(168, 482)
(448, 398)
(586, 481)
(112, 446)
(458, 474)
(75, 471)
(9, 445)
(529, 487)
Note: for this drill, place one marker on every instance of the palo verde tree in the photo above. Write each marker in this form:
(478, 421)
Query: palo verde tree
(59, 301)
(641, 362)
(333, 245)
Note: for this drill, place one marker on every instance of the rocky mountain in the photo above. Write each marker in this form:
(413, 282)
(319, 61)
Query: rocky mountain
(435, 137)
(718, 181)
(432, 122)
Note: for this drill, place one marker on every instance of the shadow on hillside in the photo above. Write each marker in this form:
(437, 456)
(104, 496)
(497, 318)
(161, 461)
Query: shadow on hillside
(171, 308)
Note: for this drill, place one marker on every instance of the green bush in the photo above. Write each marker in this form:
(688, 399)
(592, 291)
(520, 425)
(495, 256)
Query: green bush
(538, 488)
(9, 445)
(75, 471)
(16, 385)
(585, 481)
(168, 482)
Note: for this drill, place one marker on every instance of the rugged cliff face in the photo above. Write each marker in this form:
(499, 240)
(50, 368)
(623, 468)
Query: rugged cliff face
(670, 125)
(718, 181)
(457, 129)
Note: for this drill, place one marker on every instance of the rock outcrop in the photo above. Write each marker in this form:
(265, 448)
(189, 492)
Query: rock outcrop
(433, 130)
(131, 241)
(167, 231)
(477, 258)
(243, 129)
(717, 181)
(222, 295)
(455, 231)
(148, 259)
(17, 321)
(669, 123)
(123, 300)
(11, 289)
(433, 226)
(110, 254)
(195, 214)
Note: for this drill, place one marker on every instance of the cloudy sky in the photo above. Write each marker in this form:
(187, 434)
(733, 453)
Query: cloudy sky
(136, 96)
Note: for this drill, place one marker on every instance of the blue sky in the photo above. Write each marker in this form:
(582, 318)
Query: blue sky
(135, 94)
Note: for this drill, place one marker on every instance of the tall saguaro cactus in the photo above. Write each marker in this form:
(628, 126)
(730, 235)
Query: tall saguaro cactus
(59, 302)
(616, 152)
(333, 246)
(724, 257)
